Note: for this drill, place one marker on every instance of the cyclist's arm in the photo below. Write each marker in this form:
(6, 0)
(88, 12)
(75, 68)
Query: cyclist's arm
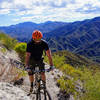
(48, 53)
(27, 58)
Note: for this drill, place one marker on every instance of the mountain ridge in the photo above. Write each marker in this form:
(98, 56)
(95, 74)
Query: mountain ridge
(23, 31)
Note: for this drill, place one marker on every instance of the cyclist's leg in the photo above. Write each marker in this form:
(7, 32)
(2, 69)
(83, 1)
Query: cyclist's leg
(31, 79)
(43, 76)
(31, 74)
(42, 67)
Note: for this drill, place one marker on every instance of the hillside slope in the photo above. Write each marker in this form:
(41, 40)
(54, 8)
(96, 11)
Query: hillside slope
(76, 60)
(76, 37)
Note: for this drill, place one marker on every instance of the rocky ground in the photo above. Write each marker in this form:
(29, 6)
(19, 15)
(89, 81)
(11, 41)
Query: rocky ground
(19, 92)
(10, 92)
(51, 85)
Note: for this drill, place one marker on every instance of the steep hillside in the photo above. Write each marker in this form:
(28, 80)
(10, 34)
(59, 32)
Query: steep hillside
(76, 60)
(91, 51)
(78, 34)
(81, 76)
(77, 37)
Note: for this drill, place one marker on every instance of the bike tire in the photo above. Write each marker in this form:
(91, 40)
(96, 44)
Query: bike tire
(38, 94)
(48, 95)
(45, 95)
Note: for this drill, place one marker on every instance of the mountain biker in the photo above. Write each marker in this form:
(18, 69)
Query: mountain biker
(34, 53)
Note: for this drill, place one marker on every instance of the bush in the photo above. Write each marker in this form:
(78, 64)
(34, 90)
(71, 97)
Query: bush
(57, 60)
(67, 85)
(3, 50)
(20, 48)
(7, 41)
(91, 84)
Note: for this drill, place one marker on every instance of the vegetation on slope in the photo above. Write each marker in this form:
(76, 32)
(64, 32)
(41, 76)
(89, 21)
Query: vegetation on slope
(78, 71)
(20, 48)
(7, 45)
(8, 42)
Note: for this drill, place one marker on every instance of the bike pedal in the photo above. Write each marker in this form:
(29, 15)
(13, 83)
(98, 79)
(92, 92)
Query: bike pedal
(34, 92)
(29, 94)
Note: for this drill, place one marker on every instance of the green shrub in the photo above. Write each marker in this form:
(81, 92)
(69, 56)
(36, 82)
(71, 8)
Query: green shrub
(67, 85)
(7, 41)
(57, 60)
(91, 84)
(69, 70)
(20, 48)
(3, 50)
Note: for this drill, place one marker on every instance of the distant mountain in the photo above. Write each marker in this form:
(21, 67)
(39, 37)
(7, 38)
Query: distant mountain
(80, 37)
(23, 31)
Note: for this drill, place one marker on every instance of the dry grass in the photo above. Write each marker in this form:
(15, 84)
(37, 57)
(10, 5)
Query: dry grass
(9, 73)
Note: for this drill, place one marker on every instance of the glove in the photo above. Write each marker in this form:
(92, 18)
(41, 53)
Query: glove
(52, 67)
(27, 69)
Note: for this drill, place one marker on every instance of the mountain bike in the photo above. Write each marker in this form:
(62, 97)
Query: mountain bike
(40, 86)
(40, 90)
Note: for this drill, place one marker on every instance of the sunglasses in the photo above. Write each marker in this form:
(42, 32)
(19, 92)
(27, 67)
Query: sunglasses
(37, 40)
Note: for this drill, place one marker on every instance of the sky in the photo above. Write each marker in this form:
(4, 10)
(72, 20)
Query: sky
(39, 11)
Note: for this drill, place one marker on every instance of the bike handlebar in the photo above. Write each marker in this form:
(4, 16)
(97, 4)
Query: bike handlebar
(38, 71)
(23, 67)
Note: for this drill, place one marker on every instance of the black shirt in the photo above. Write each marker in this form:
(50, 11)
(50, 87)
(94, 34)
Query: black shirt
(36, 49)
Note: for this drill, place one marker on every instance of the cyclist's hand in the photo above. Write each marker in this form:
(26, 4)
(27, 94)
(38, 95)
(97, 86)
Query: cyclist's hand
(27, 69)
(51, 68)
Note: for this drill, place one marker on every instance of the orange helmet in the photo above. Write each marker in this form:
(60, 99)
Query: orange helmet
(37, 35)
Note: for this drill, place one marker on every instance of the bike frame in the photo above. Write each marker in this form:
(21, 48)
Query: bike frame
(40, 85)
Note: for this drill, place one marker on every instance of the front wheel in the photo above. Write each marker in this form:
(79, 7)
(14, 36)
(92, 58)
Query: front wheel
(47, 95)
(42, 92)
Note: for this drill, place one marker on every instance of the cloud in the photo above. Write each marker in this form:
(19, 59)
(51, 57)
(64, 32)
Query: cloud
(58, 4)
(29, 5)
(4, 11)
(54, 10)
